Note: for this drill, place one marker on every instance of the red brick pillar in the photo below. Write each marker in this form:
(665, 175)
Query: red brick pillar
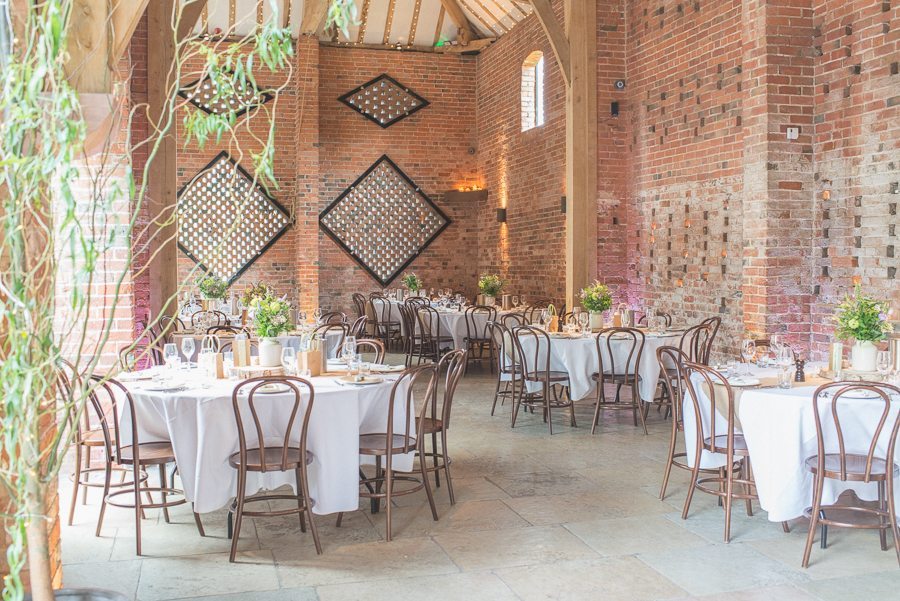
(778, 190)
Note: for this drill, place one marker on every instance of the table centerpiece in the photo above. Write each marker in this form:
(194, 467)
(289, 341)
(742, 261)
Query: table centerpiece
(596, 299)
(864, 319)
(412, 283)
(211, 288)
(272, 316)
(490, 286)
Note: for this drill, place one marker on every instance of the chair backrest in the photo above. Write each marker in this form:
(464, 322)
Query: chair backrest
(666, 317)
(358, 328)
(140, 354)
(248, 395)
(507, 352)
(700, 382)
(381, 308)
(220, 330)
(695, 343)
(228, 347)
(323, 330)
(429, 324)
(672, 358)
(477, 317)
(449, 371)
(359, 303)
(714, 323)
(221, 318)
(403, 393)
(842, 401)
(419, 300)
(511, 320)
(333, 317)
(367, 345)
(533, 349)
(170, 325)
(629, 342)
(104, 397)
(408, 321)
(532, 314)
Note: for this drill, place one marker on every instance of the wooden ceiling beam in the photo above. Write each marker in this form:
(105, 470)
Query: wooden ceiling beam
(125, 16)
(559, 42)
(313, 15)
(462, 21)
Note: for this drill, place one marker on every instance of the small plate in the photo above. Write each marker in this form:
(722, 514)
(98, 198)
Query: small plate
(164, 388)
(387, 368)
(741, 381)
(861, 395)
(366, 381)
(273, 389)
(135, 376)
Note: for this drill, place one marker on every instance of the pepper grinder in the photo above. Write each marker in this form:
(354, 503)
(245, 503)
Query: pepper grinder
(799, 375)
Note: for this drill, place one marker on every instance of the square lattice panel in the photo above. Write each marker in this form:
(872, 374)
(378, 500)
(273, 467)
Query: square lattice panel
(383, 220)
(202, 93)
(384, 100)
(225, 221)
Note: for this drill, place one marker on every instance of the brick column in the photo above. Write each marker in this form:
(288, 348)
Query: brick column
(778, 173)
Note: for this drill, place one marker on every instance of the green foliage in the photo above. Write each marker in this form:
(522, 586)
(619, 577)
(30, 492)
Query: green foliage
(596, 298)
(254, 292)
(341, 15)
(272, 315)
(412, 282)
(490, 285)
(212, 286)
(862, 317)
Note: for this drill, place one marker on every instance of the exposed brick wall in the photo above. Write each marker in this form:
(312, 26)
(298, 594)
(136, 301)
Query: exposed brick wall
(857, 153)
(434, 147)
(524, 171)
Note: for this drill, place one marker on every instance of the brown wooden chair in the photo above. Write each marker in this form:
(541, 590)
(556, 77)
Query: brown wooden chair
(620, 373)
(367, 345)
(359, 327)
(323, 330)
(359, 304)
(478, 338)
(139, 455)
(140, 355)
(511, 320)
(334, 317)
(412, 340)
(228, 347)
(701, 381)
(226, 330)
(258, 457)
(434, 342)
(536, 369)
(386, 328)
(696, 345)
(666, 318)
(509, 369)
(714, 323)
(437, 417)
(220, 318)
(400, 439)
(841, 459)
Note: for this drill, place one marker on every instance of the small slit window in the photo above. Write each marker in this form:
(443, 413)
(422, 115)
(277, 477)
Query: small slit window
(533, 91)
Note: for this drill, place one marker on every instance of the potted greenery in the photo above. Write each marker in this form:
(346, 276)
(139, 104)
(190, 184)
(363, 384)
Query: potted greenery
(212, 288)
(412, 283)
(490, 286)
(273, 318)
(596, 299)
(253, 293)
(865, 320)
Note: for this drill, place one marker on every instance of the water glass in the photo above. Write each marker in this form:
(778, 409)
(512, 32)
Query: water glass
(188, 348)
(748, 353)
(289, 360)
(228, 363)
(784, 377)
(170, 354)
(349, 349)
(883, 364)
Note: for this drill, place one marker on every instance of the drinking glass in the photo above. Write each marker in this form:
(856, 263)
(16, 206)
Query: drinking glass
(130, 361)
(349, 349)
(748, 354)
(784, 359)
(584, 320)
(515, 300)
(317, 315)
(228, 363)
(187, 349)
(883, 364)
(170, 354)
(289, 360)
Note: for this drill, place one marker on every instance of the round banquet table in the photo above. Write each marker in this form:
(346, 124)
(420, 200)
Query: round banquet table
(199, 421)
(578, 358)
(332, 339)
(780, 430)
(453, 323)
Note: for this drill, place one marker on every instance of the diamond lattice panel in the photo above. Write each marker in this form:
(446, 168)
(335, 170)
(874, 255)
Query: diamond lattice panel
(383, 220)
(384, 100)
(201, 94)
(225, 221)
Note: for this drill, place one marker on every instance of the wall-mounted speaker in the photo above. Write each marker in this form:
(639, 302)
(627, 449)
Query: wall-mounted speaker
(614, 109)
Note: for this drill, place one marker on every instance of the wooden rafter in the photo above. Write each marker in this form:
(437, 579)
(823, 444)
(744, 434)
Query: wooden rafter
(556, 35)
(458, 15)
(313, 15)
(478, 16)
(414, 23)
(364, 20)
(190, 15)
(440, 26)
(124, 19)
(518, 8)
(388, 23)
(497, 20)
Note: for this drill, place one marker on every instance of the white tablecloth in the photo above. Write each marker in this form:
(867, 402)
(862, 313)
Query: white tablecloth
(332, 338)
(453, 323)
(578, 358)
(780, 430)
(201, 425)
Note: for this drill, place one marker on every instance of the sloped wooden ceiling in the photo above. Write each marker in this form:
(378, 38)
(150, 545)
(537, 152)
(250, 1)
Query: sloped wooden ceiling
(403, 23)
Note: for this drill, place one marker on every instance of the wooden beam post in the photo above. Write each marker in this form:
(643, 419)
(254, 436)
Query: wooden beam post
(467, 32)
(559, 41)
(313, 15)
(190, 14)
(581, 148)
(161, 176)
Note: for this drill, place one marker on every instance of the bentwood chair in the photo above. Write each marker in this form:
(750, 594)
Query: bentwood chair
(220, 318)
(226, 330)
(170, 325)
(412, 341)
(359, 304)
(666, 318)
(399, 439)
(509, 370)
(139, 455)
(623, 348)
(695, 344)
(511, 320)
(257, 455)
(358, 329)
(437, 416)
(533, 349)
(478, 338)
(867, 460)
(434, 342)
(140, 354)
(714, 323)
(367, 345)
(386, 327)
(323, 330)
(334, 317)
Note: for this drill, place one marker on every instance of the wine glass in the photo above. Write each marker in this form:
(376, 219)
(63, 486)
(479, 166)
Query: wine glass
(748, 353)
(130, 361)
(289, 359)
(349, 349)
(187, 349)
(883, 364)
(584, 320)
(170, 354)
(515, 301)
(317, 315)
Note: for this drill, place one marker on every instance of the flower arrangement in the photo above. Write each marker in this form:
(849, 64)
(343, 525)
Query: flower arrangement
(254, 292)
(273, 316)
(862, 317)
(490, 285)
(596, 298)
(212, 287)
(412, 282)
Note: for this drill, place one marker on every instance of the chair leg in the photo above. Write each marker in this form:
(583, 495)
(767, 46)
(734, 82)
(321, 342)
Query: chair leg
(892, 516)
(695, 473)
(87, 465)
(138, 512)
(428, 491)
(76, 482)
(745, 475)
(446, 460)
(434, 460)
(496, 397)
(882, 505)
(818, 484)
(163, 484)
(670, 457)
(597, 409)
(239, 513)
(388, 489)
(547, 407)
(107, 480)
(304, 501)
(637, 402)
(197, 521)
(729, 491)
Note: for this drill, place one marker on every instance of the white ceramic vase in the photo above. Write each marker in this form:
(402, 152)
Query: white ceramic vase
(863, 356)
(269, 352)
(596, 320)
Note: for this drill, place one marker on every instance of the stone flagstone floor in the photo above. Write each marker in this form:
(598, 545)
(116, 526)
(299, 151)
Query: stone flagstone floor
(571, 517)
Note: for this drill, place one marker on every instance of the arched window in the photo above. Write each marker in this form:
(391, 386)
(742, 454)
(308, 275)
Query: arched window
(533, 91)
